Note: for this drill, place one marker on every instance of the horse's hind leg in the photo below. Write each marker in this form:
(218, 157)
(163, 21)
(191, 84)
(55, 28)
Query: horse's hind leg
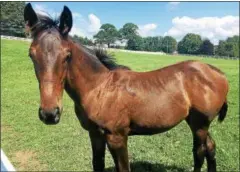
(199, 126)
(210, 154)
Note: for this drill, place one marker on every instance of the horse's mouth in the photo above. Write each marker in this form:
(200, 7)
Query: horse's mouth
(51, 121)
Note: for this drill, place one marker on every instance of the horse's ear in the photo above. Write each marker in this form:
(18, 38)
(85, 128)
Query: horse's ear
(30, 17)
(65, 21)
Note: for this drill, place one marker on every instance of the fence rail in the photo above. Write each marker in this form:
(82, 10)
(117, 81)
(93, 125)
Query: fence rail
(208, 56)
(131, 51)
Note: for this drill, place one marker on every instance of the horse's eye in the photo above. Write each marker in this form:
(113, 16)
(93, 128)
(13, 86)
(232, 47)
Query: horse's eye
(30, 54)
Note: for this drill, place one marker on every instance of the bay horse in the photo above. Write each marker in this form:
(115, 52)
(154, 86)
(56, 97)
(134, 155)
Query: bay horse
(113, 102)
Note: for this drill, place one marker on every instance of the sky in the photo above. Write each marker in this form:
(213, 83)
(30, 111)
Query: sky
(213, 20)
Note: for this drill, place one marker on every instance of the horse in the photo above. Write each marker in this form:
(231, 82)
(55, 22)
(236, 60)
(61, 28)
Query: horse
(113, 102)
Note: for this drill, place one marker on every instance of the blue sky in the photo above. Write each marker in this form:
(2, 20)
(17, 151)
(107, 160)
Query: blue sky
(213, 20)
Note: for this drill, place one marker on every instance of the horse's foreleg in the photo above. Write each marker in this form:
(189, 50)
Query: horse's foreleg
(98, 143)
(117, 145)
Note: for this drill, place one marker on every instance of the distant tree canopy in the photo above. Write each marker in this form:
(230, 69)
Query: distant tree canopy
(108, 34)
(84, 41)
(152, 43)
(135, 43)
(207, 47)
(190, 44)
(128, 31)
(12, 21)
(229, 48)
(169, 44)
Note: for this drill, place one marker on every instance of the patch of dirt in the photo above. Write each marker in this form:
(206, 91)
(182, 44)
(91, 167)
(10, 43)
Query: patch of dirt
(5, 128)
(27, 161)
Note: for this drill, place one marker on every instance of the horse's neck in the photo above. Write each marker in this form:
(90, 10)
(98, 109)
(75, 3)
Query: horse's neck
(84, 73)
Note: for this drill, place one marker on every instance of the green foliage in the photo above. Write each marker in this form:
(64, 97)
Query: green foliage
(135, 43)
(84, 41)
(12, 21)
(107, 35)
(169, 44)
(190, 44)
(234, 41)
(229, 48)
(207, 47)
(128, 31)
(152, 43)
(221, 48)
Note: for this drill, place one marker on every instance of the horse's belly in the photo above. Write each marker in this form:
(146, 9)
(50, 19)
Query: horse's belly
(157, 119)
(143, 130)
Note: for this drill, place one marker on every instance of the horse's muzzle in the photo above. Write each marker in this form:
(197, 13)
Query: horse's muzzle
(49, 116)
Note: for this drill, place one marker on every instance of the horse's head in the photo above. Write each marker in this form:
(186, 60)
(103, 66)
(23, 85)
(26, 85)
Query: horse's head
(50, 53)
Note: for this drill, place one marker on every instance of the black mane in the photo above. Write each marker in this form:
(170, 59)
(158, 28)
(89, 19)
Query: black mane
(106, 59)
(46, 22)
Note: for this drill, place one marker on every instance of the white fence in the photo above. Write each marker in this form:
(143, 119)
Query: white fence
(15, 38)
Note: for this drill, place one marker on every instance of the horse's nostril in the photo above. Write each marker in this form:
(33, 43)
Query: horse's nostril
(41, 114)
(49, 116)
(57, 111)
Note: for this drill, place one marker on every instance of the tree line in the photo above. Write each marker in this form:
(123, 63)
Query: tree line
(12, 24)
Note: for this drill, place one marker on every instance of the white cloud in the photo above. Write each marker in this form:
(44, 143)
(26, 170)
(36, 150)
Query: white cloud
(147, 30)
(213, 28)
(86, 27)
(45, 10)
(41, 9)
(76, 15)
(76, 31)
(94, 23)
(174, 3)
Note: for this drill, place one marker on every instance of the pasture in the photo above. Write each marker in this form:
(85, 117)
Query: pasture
(34, 146)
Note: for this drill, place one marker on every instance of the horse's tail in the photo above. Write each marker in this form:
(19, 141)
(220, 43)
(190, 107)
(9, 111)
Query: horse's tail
(223, 112)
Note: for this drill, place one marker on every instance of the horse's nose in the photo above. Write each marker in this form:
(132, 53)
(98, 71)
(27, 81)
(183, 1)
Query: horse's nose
(49, 116)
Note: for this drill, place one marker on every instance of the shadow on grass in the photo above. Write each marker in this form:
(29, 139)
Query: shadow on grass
(143, 166)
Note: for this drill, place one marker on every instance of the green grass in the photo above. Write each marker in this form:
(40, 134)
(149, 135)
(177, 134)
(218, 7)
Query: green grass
(66, 146)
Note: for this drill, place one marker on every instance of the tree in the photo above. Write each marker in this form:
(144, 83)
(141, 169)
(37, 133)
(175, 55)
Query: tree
(12, 21)
(135, 43)
(107, 35)
(148, 44)
(221, 48)
(234, 41)
(152, 43)
(84, 41)
(169, 44)
(207, 47)
(128, 31)
(229, 48)
(190, 44)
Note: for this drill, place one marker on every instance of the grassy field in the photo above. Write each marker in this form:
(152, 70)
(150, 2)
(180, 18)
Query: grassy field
(32, 145)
